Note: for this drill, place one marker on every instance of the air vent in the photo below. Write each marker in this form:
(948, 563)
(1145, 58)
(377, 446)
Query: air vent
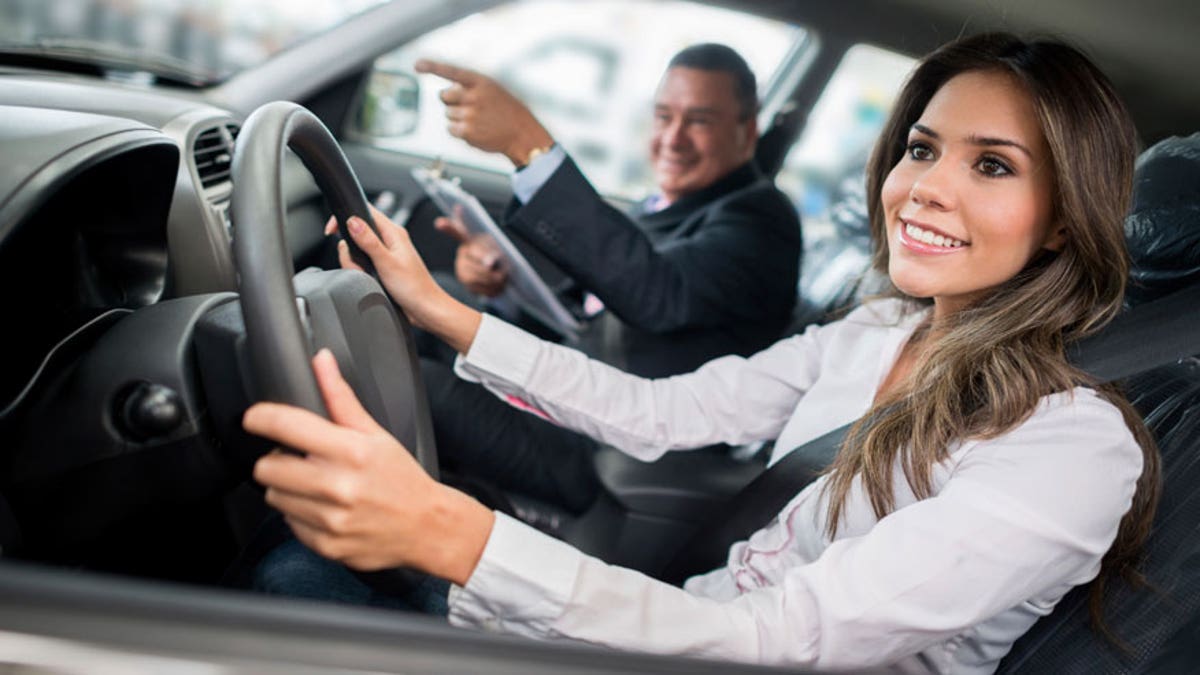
(213, 154)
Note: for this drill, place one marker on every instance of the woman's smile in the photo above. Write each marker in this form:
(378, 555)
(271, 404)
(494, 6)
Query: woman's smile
(927, 240)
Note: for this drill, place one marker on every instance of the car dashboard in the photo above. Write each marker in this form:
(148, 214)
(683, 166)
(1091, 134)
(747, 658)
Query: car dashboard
(114, 236)
(115, 197)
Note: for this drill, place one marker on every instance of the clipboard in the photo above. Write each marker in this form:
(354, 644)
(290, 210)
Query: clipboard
(525, 287)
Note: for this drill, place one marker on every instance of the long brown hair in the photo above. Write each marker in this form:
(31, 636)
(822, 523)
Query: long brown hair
(985, 367)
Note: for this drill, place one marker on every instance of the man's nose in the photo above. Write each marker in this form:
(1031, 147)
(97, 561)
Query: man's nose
(675, 134)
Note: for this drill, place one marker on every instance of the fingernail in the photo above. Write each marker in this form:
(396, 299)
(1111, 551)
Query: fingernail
(325, 356)
(356, 224)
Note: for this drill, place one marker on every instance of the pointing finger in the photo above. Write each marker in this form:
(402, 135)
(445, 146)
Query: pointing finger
(447, 71)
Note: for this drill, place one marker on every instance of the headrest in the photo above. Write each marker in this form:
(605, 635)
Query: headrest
(1163, 229)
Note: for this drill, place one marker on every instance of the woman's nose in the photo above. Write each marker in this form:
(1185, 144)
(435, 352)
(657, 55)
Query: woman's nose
(934, 187)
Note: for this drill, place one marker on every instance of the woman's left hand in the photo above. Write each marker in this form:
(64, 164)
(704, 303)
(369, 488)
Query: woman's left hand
(357, 496)
(407, 280)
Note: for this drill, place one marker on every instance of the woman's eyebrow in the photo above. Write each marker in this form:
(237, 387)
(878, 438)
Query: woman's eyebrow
(987, 141)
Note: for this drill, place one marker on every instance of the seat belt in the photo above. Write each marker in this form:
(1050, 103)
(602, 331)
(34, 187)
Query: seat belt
(1145, 337)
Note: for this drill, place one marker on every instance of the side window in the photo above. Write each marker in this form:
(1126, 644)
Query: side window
(825, 175)
(824, 171)
(587, 69)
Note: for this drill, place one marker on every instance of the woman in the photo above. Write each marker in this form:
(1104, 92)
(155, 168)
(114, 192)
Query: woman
(985, 478)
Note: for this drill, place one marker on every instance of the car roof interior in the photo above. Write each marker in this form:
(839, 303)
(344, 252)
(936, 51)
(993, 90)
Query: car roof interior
(1116, 33)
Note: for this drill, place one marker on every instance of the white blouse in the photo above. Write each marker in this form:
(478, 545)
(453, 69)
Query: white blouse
(944, 584)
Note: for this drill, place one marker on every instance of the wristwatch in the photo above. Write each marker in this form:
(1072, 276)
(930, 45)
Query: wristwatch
(535, 153)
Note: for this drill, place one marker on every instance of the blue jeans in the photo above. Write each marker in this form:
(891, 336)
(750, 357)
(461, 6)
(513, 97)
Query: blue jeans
(293, 570)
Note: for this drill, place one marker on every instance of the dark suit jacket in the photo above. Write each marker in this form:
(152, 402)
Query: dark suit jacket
(714, 273)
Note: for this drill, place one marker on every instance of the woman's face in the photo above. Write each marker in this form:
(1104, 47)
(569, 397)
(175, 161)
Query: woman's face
(969, 203)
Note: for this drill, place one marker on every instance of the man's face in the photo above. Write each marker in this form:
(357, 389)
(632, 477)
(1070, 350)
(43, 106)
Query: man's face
(699, 134)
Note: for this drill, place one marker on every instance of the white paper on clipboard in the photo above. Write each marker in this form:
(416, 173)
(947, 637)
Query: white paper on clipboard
(525, 287)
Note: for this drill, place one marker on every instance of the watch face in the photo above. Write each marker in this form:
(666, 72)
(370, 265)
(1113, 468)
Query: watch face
(535, 153)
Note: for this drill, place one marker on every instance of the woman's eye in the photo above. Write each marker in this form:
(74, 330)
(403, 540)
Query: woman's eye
(993, 167)
(919, 151)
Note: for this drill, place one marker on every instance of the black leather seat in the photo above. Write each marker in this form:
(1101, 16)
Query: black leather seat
(1159, 624)
(1163, 229)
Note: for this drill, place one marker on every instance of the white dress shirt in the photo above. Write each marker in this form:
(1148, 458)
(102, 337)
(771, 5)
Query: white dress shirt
(944, 584)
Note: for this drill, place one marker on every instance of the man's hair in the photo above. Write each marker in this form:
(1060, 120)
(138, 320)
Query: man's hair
(712, 56)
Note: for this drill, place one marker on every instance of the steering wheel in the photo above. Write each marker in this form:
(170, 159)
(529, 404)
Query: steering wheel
(344, 310)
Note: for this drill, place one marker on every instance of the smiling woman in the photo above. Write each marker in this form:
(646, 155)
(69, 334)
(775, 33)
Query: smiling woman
(985, 478)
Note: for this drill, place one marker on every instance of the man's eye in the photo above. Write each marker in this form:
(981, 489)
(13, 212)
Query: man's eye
(989, 166)
(919, 151)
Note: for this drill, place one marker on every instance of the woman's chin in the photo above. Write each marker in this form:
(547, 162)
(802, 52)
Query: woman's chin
(914, 286)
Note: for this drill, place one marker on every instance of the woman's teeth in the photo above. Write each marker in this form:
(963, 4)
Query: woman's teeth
(917, 234)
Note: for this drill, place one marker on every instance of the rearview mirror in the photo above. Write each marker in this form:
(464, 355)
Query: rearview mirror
(390, 105)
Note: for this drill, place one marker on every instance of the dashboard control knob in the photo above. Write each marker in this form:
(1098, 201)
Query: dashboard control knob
(150, 410)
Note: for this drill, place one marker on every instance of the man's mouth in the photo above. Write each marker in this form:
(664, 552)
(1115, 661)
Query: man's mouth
(675, 163)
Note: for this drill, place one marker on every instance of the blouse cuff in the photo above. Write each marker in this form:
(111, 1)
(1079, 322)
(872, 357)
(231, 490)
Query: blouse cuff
(499, 351)
(521, 584)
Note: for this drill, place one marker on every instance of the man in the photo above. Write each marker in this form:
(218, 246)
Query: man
(706, 267)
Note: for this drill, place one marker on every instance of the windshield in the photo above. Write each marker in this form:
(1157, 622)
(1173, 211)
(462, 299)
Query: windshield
(197, 41)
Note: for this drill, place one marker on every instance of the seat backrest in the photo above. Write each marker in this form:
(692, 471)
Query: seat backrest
(1144, 618)
(775, 141)
(1163, 233)
(1163, 229)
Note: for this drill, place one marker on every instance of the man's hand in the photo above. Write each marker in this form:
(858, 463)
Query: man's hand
(486, 115)
(478, 263)
(357, 496)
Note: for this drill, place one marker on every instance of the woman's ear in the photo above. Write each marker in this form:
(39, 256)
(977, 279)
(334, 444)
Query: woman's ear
(1056, 240)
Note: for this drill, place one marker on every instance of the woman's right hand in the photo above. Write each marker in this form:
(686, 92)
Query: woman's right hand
(407, 280)
(356, 495)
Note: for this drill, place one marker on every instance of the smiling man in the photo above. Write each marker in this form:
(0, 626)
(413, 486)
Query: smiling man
(706, 267)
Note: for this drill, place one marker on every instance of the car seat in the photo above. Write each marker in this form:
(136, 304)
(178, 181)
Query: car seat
(1162, 619)
(774, 143)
